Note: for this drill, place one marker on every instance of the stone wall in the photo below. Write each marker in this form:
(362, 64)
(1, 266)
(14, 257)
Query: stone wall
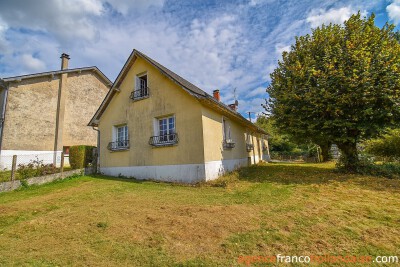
(13, 185)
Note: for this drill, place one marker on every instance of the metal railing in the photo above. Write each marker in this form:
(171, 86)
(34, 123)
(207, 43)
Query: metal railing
(249, 147)
(228, 144)
(118, 145)
(140, 93)
(164, 140)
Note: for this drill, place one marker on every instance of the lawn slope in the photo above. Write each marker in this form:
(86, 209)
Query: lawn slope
(289, 209)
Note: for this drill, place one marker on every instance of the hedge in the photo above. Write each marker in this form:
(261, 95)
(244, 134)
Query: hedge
(80, 156)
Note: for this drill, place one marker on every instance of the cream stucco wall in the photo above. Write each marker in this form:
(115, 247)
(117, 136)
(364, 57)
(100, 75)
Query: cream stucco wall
(166, 98)
(213, 138)
(31, 111)
(84, 95)
(30, 116)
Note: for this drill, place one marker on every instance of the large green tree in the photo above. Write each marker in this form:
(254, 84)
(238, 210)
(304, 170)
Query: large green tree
(341, 84)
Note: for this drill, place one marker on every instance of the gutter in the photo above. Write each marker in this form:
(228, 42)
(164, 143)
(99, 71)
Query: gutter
(98, 149)
(3, 115)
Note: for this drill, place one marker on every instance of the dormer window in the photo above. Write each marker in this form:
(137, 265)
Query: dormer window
(141, 89)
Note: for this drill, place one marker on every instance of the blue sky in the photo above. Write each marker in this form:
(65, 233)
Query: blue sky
(213, 44)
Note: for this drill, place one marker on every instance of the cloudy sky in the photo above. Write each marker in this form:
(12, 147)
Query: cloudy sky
(214, 44)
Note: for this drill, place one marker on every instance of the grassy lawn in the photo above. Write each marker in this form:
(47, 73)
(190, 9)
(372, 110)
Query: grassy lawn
(289, 209)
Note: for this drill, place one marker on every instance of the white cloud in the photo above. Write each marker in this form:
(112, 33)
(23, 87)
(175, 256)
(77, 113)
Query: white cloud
(124, 6)
(257, 92)
(280, 48)
(394, 11)
(31, 63)
(66, 19)
(317, 17)
(222, 46)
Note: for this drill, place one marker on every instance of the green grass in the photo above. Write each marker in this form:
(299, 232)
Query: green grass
(5, 176)
(288, 209)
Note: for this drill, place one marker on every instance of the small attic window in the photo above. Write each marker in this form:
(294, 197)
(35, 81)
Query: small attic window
(141, 89)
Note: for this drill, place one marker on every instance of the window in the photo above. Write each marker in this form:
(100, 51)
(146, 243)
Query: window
(226, 129)
(249, 142)
(120, 138)
(227, 140)
(141, 89)
(122, 134)
(165, 132)
(66, 150)
(142, 82)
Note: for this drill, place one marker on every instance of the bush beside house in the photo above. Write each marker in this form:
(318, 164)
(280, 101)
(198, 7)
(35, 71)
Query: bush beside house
(80, 156)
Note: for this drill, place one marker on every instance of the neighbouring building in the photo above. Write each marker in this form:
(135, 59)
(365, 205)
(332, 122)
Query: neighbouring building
(43, 114)
(156, 125)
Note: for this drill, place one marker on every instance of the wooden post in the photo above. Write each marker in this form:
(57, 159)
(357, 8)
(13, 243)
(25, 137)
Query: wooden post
(62, 164)
(13, 167)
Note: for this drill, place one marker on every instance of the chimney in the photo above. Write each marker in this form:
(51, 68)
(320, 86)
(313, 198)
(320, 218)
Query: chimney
(64, 61)
(216, 95)
(232, 106)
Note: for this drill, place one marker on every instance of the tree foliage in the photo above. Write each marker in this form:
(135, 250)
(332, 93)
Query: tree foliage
(387, 146)
(341, 84)
(281, 144)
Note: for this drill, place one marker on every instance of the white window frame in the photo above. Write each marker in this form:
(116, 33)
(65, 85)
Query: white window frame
(138, 86)
(226, 130)
(120, 143)
(166, 139)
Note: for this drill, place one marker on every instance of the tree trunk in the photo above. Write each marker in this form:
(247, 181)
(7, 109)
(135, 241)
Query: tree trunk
(325, 151)
(349, 155)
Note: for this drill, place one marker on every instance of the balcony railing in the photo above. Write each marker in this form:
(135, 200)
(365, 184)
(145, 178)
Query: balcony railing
(164, 140)
(228, 144)
(249, 147)
(140, 93)
(118, 145)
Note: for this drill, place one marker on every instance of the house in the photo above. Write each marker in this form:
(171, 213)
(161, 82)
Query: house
(43, 114)
(154, 124)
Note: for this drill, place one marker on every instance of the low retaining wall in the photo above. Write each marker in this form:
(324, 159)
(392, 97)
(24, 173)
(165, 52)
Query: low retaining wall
(12, 185)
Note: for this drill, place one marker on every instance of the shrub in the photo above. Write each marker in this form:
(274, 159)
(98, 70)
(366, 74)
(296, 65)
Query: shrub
(367, 167)
(35, 168)
(388, 146)
(80, 156)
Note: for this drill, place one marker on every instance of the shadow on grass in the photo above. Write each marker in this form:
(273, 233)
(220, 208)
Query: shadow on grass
(139, 181)
(116, 178)
(312, 174)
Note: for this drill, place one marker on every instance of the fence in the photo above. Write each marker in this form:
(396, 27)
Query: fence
(6, 160)
(9, 164)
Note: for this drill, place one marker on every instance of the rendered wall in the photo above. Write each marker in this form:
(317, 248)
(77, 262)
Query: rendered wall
(219, 160)
(166, 98)
(31, 111)
(84, 96)
(31, 115)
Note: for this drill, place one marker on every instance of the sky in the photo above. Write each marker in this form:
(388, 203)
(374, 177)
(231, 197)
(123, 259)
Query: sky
(228, 45)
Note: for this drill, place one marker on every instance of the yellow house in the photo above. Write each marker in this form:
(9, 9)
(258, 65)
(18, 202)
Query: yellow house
(154, 124)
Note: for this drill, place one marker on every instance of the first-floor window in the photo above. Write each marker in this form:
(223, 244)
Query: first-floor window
(166, 128)
(122, 136)
(227, 130)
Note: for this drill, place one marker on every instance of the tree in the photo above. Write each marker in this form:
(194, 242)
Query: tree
(282, 144)
(387, 146)
(341, 84)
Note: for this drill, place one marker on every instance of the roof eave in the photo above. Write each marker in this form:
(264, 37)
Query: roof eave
(58, 72)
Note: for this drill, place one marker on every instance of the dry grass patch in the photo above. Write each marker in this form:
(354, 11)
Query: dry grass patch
(289, 209)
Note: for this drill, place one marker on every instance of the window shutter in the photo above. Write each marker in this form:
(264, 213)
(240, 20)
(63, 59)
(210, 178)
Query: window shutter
(137, 83)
